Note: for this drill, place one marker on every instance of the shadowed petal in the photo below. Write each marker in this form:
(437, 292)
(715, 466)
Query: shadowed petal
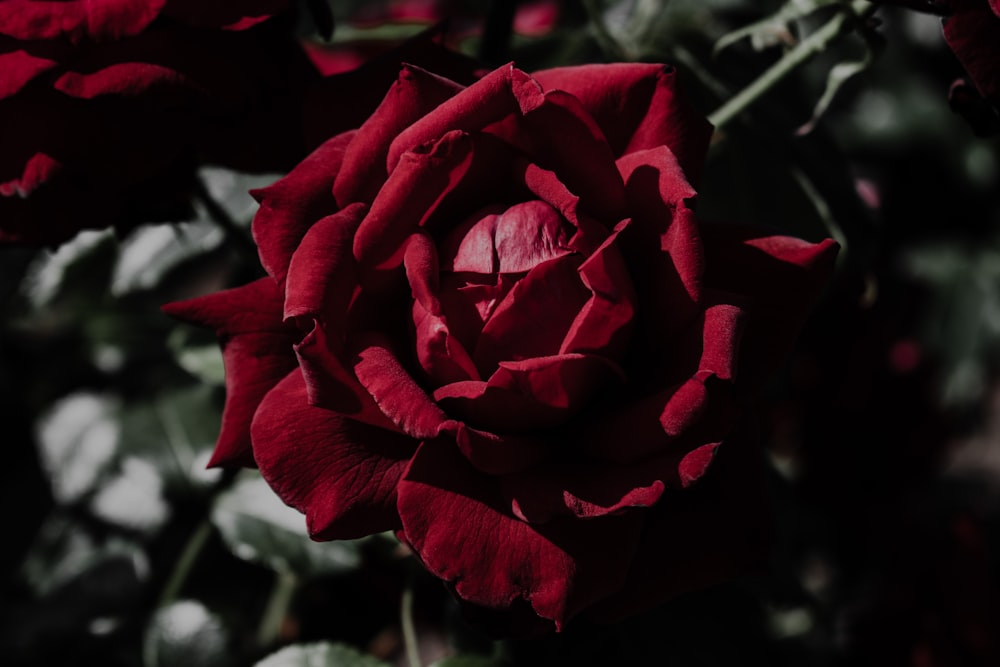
(256, 351)
(454, 518)
(341, 474)
(289, 207)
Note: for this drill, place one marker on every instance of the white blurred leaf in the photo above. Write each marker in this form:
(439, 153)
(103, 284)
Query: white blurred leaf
(186, 634)
(258, 527)
(78, 438)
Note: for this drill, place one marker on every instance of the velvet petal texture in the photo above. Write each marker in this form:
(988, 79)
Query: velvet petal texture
(341, 474)
(519, 348)
(454, 518)
(256, 351)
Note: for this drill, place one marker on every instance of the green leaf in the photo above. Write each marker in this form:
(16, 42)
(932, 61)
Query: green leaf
(64, 552)
(202, 360)
(258, 527)
(186, 634)
(176, 433)
(322, 654)
(151, 251)
(78, 439)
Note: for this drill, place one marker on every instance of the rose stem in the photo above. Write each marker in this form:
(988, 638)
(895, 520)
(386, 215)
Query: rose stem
(196, 542)
(278, 603)
(803, 51)
(409, 630)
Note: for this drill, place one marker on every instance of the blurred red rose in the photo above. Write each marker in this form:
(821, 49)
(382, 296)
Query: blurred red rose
(103, 104)
(493, 324)
(972, 30)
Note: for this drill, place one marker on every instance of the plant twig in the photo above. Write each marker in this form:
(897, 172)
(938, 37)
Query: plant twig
(409, 629)
(806, 49)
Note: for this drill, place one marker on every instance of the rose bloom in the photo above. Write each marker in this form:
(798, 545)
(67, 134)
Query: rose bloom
(493, 324)
(104, 103)
(972, 30)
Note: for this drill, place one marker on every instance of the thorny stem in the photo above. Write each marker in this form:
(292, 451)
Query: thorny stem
(806, 49)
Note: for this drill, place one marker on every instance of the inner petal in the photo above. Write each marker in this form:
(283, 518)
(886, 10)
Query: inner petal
(514, 240)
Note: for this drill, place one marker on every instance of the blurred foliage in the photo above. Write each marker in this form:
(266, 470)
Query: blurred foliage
(123, 550)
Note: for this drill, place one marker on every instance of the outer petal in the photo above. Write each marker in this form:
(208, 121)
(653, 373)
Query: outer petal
(232, 16)
(397, 394)
(325, 111)
(256, 351)
(663, 246)
(19, 66)
(290, 206)
(414, 94)
(534, 318)
(454, 518)
(341, 474)
(525, 395)
(431, 185)
(717, 530)
(637, 107)
(779, 279)
(77, 20)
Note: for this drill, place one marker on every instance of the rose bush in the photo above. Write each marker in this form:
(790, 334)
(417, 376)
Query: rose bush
(493, 324)
(104, 105)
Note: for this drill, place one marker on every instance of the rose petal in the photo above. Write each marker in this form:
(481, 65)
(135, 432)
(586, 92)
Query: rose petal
(778, 278)
(472, 109)
(667, 423)
(415, 93)
(420, 187)
(230, 16)
(971, 31)
(77, 20)
(557, 133)
(637, 107)
(321, 276)
(397, 394)
(329, 383)
(603, 324)
(291, 205)
(454, 518)
(440, 354)
(499, 454)
(256, 352)
(18, 67)
(663, 250)
(535, 317)
(514, 240)
(341, 474)
(717, 530)
(324, 110)
(583, 490)
(525, 395)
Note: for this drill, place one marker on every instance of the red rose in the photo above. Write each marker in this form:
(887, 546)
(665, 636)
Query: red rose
(104, 103)
(972, 30)
(493, 324)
